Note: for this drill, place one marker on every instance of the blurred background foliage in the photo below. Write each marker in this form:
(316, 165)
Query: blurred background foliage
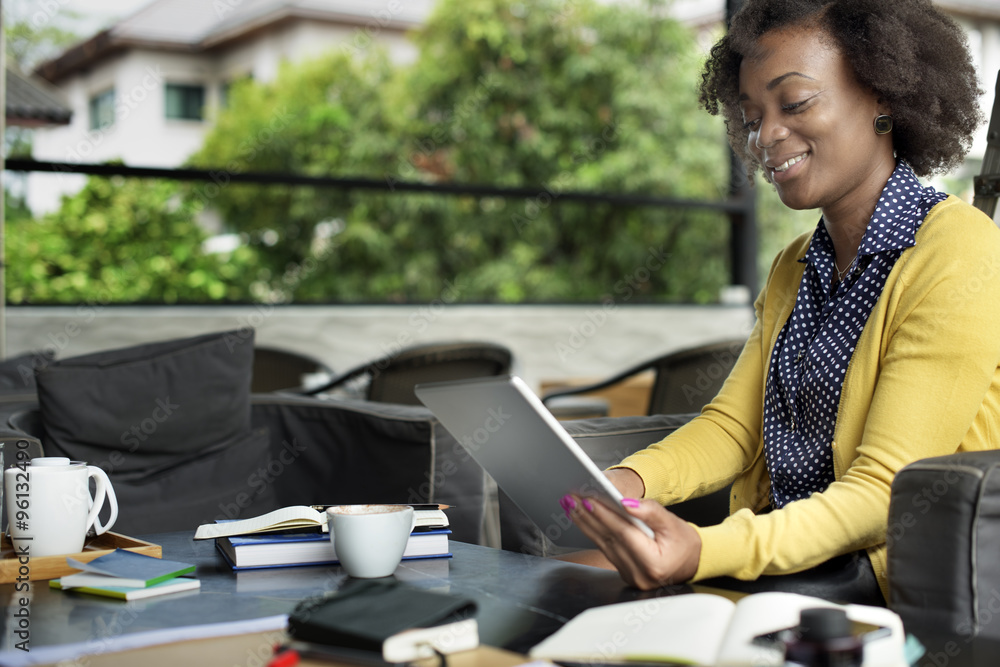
(120, 240)
(566, 96)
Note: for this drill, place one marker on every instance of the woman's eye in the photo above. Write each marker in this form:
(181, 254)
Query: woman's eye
(791, 107)
(751, 124)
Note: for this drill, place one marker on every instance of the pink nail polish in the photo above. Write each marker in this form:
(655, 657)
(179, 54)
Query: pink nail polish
(587, 506)
(630, 502)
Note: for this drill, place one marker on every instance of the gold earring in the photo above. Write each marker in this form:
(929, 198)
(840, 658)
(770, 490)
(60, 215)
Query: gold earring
(883, 124)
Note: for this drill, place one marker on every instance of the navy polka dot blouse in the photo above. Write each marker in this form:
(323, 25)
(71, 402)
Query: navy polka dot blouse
(810, 357)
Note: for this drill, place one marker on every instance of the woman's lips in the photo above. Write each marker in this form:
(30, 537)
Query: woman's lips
(788, 168)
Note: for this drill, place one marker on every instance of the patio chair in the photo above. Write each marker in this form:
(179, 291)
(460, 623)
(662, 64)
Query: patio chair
(276, 369)
(184, 441)
(390, 379)
(684, 380)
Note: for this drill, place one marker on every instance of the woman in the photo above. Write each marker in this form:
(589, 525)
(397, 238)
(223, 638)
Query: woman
(877, 339)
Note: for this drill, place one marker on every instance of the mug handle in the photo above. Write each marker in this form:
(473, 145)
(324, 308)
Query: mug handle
(103, 490)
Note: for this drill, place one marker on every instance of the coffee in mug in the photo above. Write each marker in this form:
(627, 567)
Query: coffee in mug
(49, 506)
(370, 539)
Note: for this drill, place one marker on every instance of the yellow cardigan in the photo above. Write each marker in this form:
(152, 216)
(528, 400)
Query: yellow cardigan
(923, 381)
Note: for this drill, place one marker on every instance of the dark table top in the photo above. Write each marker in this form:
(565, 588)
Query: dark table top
(521, 599)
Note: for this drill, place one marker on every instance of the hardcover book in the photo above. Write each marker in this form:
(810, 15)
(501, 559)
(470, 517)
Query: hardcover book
(313, 548)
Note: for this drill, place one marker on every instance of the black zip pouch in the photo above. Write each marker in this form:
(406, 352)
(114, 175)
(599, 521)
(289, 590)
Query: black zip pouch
(388, 618)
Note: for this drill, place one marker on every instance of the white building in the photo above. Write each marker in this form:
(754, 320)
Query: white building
(145, 90)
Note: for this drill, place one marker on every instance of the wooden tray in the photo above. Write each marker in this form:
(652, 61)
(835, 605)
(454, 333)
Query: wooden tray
(50, 567)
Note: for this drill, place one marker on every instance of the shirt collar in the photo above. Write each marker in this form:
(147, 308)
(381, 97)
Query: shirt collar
(900, 210)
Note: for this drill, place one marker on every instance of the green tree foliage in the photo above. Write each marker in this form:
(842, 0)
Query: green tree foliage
(315, 115)
(554, 95)
(120, 240)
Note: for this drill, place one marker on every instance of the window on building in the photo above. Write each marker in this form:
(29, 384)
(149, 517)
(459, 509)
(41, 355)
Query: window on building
(185, 102)
(102, 110)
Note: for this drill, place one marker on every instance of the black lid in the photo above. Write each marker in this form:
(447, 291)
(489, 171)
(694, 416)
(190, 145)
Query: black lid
(821, 624)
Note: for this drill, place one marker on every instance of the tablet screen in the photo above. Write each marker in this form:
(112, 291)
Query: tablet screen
(504, 426)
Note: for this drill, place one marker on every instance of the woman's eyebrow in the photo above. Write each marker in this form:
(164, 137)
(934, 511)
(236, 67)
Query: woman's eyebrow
(773, 83)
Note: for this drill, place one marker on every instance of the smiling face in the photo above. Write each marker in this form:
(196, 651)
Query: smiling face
(811, 125)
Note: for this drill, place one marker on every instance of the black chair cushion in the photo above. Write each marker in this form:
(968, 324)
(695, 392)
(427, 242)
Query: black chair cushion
(228, 482)
(17, 374)
(139, 409)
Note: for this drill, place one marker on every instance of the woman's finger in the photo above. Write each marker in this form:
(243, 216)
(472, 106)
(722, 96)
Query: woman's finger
(669, 558)
(619, 539)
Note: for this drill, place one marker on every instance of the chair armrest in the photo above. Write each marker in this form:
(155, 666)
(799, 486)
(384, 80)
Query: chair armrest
(943, 544)
(596, 386)
(337, 380)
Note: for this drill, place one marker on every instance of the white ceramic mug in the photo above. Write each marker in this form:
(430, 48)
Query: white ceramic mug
(49, 506)
(370, 539)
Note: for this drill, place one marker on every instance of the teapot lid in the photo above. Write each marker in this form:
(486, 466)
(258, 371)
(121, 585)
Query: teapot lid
(50, 461)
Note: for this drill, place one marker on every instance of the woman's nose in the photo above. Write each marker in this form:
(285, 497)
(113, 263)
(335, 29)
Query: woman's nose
(769, 133)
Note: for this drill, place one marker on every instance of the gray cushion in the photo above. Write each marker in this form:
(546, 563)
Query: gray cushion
(140, 408)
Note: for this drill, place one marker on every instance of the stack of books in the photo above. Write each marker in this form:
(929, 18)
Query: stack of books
(127, 575)
(298, 536)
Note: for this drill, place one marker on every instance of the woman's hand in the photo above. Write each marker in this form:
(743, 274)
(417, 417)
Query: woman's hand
(670, 558)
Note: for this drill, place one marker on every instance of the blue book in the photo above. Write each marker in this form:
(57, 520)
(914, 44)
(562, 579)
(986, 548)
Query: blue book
(124, 568)
(313, 548)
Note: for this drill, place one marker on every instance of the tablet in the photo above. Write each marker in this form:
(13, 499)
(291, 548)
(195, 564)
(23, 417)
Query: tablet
(513, 436)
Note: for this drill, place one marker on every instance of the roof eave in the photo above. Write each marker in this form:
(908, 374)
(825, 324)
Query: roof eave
(93, 50)
(284, 14)
(78, 57)
(15, 117)
(108, 42)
